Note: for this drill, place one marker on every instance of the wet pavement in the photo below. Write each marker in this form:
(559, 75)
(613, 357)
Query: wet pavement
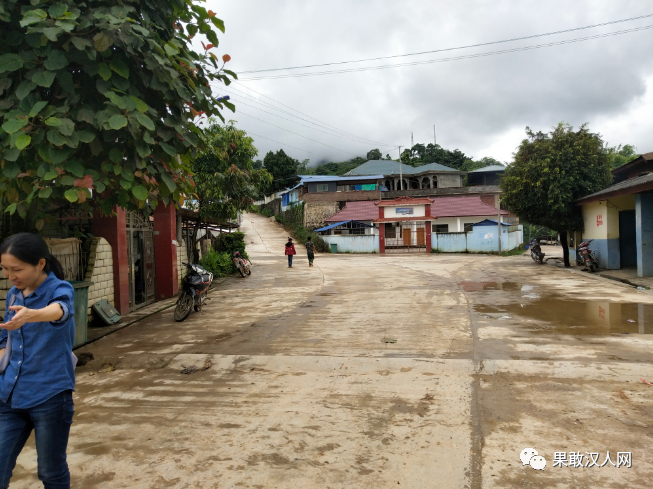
(417, 371)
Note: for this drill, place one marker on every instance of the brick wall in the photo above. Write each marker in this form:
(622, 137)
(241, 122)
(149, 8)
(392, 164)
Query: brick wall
(100, 272)
(342, 196)
(316, 212)
(182, 255)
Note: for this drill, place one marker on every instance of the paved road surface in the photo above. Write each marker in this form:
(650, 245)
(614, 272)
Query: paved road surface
(492, 355)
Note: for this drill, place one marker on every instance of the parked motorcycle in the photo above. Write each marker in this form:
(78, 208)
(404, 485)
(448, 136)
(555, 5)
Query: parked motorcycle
(194, 291)
(536, 251)
(586, 256)
(242, 264)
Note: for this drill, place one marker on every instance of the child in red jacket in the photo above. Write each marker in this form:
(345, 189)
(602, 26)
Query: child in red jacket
(290, 251)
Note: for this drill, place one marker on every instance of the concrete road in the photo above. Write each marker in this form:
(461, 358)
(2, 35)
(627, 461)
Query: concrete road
(416, 371)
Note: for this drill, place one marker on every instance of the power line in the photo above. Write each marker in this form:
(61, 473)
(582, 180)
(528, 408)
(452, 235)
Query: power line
(348, 138)
(451, 49)
(456, 58)
(321, 123)
(279, 142)
(297, 134)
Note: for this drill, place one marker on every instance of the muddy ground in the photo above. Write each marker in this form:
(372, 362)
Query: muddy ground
(419, 371)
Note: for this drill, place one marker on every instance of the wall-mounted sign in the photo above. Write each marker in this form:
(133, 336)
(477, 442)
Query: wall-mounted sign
(599, 219)
(404, 211)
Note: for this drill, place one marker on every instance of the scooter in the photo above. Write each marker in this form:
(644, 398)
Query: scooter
(536, 251)
(242, 264)
(586, 256)
(194, 291)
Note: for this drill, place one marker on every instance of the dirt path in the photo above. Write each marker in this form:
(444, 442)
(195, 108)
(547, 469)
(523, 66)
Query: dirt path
(371, 372)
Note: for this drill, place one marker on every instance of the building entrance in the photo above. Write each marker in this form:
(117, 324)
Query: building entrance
(140, 255)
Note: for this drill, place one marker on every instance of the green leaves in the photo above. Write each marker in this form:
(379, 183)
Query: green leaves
(24, 89)
(144, 121)
(105, 72)
(57, 10)
(13, 125)
(117, 121)
(37, 108)
(33, 17)
(23, 141)
(10, 62)
(102, 41)
(71, 195)
(56, 60)
(43, 78)
(53, 122)
(140, 192)
(119, 67)
(45, 193)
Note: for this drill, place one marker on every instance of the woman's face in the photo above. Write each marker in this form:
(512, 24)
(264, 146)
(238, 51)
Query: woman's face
(21, 274)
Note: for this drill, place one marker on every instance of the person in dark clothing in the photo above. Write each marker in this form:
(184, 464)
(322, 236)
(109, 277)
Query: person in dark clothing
(310, 249)
(290, 251)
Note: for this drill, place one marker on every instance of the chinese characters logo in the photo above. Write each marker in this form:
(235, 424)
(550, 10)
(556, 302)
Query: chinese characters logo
(529, 456)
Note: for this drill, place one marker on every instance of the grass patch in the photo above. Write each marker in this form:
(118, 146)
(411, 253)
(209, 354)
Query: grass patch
(517, 251)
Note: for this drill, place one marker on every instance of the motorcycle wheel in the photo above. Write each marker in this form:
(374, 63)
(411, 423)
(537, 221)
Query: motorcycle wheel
(249, 272)
(184, 307)
(591, 267)
(534, 257)
(240, 270)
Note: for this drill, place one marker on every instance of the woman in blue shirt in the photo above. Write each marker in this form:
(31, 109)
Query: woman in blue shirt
(37, 371)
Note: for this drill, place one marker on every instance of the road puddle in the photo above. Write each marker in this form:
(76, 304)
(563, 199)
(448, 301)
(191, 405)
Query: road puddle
(548, 313)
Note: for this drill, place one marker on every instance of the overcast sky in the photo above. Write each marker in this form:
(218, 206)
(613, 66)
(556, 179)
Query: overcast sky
(480, 106)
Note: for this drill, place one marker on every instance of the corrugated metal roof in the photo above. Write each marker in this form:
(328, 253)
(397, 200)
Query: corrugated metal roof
(332, 178)
(618, 187)
(391, 167)
(365, 210)
(489, 168)
(326, 228)
(440, 207)
(491, 222)
(471, 205)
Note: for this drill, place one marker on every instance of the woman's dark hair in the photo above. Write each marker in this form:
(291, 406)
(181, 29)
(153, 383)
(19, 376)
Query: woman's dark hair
(288, 244)
(30, 248)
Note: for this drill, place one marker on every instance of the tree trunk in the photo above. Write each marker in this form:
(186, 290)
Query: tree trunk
(564, 242)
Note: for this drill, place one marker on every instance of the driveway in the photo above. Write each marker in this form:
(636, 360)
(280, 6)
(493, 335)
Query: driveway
(368, 371)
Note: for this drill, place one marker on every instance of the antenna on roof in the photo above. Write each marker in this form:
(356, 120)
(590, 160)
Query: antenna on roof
(435, 139)
(411, 140)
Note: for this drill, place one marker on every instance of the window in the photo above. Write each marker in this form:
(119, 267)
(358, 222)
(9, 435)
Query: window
(390, 231)
(341, 188)
(469, 227)
(440, 228)
(357, 231)
(322, 187)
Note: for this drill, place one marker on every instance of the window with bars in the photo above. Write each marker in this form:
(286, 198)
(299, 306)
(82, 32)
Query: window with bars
(390, 231)
(322, 187)
(440, 228)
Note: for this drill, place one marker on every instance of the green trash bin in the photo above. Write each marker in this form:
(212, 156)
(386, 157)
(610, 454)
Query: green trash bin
(81, 310)
(334, 248)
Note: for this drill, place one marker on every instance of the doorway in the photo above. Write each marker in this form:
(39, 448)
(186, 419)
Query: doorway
(140, 258)
(627, 239)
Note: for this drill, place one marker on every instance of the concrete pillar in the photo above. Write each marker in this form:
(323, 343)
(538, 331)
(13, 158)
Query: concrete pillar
(114, 230)
(165, 255)
(428, 228)
(644, 224)
(381, 232)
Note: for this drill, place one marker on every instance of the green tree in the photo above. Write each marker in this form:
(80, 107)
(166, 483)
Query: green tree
(620, 155)
(99, 100)
(283, 169)
(225, 181)
(550, 172)
(374, 154)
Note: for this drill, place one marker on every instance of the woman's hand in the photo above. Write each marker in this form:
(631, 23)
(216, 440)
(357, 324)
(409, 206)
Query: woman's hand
(23, 315)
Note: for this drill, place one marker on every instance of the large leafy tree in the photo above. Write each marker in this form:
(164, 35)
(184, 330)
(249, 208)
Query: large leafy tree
(421, 154)
(283, 169)
(98, 102)
(620, 155)
(551, 171)
(225, 180)
(374, 154)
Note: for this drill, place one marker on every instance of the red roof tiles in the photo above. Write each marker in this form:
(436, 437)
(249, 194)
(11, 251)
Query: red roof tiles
(469, 205)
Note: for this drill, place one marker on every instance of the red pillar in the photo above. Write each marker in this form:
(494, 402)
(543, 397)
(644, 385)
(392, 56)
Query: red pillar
(381, 232)
(114, 230)
(428, 228)
(165, 251)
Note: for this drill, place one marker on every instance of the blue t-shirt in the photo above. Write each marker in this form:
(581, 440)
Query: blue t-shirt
(40, 365)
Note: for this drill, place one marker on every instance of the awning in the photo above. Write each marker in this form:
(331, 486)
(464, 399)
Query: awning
(362, 224)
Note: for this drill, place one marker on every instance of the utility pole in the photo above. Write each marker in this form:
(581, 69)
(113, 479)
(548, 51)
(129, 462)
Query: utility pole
(411, 140)
(499, 220)
(401, 178)
(435, 139)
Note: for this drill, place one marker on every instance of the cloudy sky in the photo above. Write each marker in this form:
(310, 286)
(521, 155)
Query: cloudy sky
(480, 105)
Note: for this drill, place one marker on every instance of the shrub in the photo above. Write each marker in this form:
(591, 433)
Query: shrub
(267, 212)
(219, 264)
(230, 243)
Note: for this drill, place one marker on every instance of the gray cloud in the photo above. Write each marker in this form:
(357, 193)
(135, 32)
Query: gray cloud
(480, 106)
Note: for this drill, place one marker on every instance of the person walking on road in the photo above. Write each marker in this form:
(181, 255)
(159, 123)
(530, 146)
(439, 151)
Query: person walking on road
(37, 367)
(290, 251)
(310, 249)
